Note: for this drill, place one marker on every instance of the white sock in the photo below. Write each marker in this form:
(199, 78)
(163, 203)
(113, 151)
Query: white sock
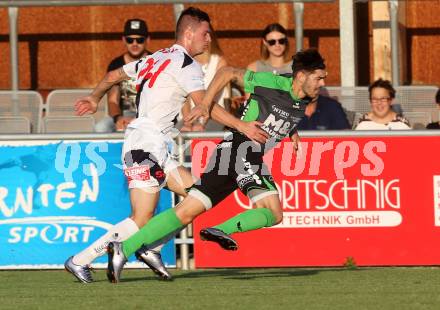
(120, 232)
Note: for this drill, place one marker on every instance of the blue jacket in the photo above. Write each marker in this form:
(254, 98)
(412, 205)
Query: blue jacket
(328, 115)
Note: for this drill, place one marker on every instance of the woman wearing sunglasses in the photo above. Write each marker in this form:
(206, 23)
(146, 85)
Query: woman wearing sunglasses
(274, 51)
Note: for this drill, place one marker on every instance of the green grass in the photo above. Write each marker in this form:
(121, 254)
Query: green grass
(284, 288)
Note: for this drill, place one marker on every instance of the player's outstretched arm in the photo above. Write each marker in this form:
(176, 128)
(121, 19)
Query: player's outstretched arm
(89, 104)
(221, 79)
(223, 76)
(251, 129)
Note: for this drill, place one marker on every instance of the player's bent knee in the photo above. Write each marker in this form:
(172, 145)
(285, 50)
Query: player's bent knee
(269, 200)
(188, 213)
(278, 216)
(275, 216)
(201, 197)
(189, 209)
(184, 217)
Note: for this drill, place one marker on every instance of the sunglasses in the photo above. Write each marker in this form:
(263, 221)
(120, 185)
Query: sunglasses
(382, 99)
(272, 42)
(140, 40)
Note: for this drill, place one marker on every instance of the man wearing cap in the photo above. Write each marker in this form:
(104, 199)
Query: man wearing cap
(122, 97)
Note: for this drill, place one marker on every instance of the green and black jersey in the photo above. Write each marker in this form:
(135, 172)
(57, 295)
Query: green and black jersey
(273, 103)
(237, 162)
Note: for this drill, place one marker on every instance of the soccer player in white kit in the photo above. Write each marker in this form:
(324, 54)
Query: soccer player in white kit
(164, 80)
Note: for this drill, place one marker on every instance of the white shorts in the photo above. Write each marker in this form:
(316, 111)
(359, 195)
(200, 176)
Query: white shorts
(147, 156)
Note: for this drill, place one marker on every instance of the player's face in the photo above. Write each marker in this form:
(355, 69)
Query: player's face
(275, 43)
(313, 81)
(201, 38)
(380, 102)
(135, 45)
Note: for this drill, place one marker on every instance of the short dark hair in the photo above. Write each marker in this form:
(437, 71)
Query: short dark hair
(380, 83)
(195, 14)
(307, 60)
(437, 96)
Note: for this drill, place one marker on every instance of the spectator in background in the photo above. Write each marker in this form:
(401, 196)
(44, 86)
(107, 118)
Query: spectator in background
(121, 99)
(274, 57)
(325, 113)
(274, 51)
(381, 116)
(211, 61)
(435, 125)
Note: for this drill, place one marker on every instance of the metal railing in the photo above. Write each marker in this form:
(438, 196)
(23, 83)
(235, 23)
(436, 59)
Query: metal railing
(13, 6)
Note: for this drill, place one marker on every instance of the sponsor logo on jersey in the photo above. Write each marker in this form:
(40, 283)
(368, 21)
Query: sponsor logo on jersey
(277, 128)
(280, 112)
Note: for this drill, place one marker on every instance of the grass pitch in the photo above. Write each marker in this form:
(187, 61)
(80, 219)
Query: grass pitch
(284, 288)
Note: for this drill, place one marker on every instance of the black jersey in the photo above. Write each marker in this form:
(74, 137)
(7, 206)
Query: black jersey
(273, 103)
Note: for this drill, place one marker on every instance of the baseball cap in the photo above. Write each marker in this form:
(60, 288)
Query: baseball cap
(135, 27)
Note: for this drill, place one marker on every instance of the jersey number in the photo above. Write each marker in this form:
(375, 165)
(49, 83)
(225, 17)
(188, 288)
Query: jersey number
(149, 76)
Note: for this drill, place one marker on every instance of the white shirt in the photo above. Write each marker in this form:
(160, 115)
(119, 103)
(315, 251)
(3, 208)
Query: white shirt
(163, 81)
(209, 71)
(398, 123)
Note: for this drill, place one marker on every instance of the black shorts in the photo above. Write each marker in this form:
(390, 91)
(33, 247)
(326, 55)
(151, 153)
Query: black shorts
(236, 163)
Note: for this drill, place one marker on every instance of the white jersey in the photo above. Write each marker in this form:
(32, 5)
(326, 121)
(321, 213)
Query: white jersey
(163, 81)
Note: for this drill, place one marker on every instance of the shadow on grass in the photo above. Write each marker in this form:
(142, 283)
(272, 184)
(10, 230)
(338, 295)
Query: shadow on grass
(241, 273)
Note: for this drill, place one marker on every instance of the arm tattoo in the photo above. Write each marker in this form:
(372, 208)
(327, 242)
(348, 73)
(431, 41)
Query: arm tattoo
(112, 78)
(122, 73)
(238, 76)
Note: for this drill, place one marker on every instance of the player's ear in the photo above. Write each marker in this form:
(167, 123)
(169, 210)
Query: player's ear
(301, 76)
(189, 33)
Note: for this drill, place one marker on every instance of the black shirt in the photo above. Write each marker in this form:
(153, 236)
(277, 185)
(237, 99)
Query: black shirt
(435, 125)
(116, 63)
(127, 88)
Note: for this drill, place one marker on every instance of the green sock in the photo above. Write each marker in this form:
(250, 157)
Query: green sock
(248, 220)
(157, 228)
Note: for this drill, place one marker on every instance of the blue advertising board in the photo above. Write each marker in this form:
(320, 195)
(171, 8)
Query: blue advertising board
(57, 197)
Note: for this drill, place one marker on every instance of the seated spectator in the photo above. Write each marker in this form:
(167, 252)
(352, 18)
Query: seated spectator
(325, 113)
(435, 125)
(274, 51)
(382, 117)
(121, 99)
